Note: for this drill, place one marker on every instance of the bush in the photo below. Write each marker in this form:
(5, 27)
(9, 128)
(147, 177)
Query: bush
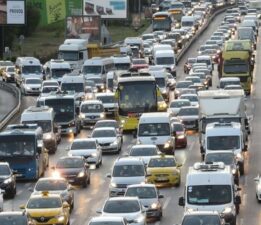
(32, 20)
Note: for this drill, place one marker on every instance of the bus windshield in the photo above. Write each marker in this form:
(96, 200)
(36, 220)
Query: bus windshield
(46, 125)
(77, 87)
(31, 69)
(233, 68)
(17, 145)
(63, 108)
(68, 55)
(137, 97)
(58, 73)
(161, 24)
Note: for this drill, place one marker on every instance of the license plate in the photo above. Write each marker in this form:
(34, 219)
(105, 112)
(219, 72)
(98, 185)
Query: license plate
(162, 179)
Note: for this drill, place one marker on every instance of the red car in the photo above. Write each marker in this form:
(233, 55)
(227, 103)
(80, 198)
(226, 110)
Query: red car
(180, 135)
(188, 64)
(138, 64)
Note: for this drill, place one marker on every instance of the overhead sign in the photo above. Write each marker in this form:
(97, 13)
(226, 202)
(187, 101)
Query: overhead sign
(107, 9)
(12, 12)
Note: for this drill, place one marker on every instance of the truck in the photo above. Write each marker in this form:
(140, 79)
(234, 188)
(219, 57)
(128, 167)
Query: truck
(237, 60)
(223, 106)
(211, 187)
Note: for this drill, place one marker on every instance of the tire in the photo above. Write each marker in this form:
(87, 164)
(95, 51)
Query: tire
(13, 193)
(84, 184)
(178, 184)
(234, 221)
(241, 169)
(89, 180)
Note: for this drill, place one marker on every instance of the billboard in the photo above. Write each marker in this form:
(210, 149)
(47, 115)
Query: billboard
(85, 27)
(107, 9)
(12, 12)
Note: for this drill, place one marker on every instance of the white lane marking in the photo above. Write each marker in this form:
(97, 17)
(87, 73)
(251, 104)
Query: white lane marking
(192, 145)
(241, 221)
(246, 179)
(244, 199)
(166, 203)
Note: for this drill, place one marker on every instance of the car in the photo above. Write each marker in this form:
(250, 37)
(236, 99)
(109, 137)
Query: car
(106, 220)
(47, 208)
(89, 93)
(87, 148)
(204, 79)
(193, 79)
(7, 180)
(257, 180)
(109, 123)
(55, 185)
(189, 116)
(125, 171)
(188, 64)
(31, 86)
(128, 207)
(74, 169)
(144, 152)
(180, 135)
(15, 217)
(176, 104)
(108, 138)
(8, 74)
(4, 64)
(91, 111)
(50, 83)
(138, 63)
(163, 170)
(99, 83)
(109, 103)
(46, 90)
(224, 81)
(193, 98)
(162, 105)
(233, 87)
(149, 197)
(181, 85)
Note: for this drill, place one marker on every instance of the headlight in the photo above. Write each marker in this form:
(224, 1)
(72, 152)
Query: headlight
(123, 121)
(113, 184)
(227, 210)
(82, 115)
(114, 143)
(167, 145)
(27, 88)
(234, 171)
(81, 174)
(8, 180)
(48, 136)
(154, 205)
(102, 115)
(239, 156)
(56, 174)
(140, 219)
(94, 154)
(60, 218)
(181, 136)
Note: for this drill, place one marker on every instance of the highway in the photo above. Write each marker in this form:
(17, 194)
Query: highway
(88, 200)
(7, 102)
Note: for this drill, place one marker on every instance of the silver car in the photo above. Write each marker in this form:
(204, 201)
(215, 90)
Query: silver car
(144, 152)
(31, 86)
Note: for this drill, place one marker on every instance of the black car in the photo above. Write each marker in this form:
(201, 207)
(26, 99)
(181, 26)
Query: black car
(7, 180)
(75, 169)
(19, 218)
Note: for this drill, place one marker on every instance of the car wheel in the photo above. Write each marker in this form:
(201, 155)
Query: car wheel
(178, 183)
(241, 169)
(89, 180)
(85, 183)
(13, 193)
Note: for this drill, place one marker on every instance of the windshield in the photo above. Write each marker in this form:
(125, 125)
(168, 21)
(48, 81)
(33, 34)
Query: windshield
(207, 61)
(17, 145)
(70, 163)
(183, 84)
(63, 108)
(141, 192)
(143, 151)
(226, 158)
(83, 145)
(58, 73)
(191, 98)
(165, 60)
(161, 82)
(47, 89)
(13, 219)
(162, 162)
(106, 99)
(188, 112)
(106, 223)
(137, 97)
(122, 66)
(234, 68)
(4, 170)
(201, 220)
(69, 56)
(124, 206)
(128, 171)
(92, 108)
(223, 142)
(44, 203)
(10, 69)
(187, 23)
(77, 87)
(223, 84)
(154, 129)
(103, 133)
(178, 127)
(33, 81)
(46, 125)
(32, 69)
(92, 69)
(51, 185)
(161, 24)
(209, 194)
(107, 124)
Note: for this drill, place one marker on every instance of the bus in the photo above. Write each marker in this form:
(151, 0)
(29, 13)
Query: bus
(177, 10)
(22, 147)
(136, 95)
(161, 21)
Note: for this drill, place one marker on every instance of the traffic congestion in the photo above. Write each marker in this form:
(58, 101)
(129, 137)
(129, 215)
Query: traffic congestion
(160, 133)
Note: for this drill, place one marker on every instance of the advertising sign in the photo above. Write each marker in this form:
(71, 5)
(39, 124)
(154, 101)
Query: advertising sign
(107, 9)
(85, 27)
(55, 10)
(12, 12)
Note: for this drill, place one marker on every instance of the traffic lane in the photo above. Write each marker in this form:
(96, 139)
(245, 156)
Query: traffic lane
(250, 208)
(7, 103)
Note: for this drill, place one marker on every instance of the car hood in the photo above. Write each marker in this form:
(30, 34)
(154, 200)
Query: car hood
(81, 152)
(191, 117)
(128, 180)
(147, 202)
(44, 212)
(71, 171)
(103, 140)
(33, 85)
(128, 216)
(161, 170)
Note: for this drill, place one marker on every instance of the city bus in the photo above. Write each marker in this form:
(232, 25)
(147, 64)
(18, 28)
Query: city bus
(136, 95)
(162, 21)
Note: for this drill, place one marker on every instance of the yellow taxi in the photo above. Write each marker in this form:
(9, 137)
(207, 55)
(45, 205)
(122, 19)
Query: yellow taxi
(162, 105)
(47, 208)
(163, 170)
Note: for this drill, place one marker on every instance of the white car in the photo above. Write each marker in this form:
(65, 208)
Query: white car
(258, 187)
(50, 83)
(109, 103)
(193, 98)
(108, 138)
(46, 90)
(31, 86)
(176, 104)
(102, 220)
(88, 148)
(127, 207)
(144, 152)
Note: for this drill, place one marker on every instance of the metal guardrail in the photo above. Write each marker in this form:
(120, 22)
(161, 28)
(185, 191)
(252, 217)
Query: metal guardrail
(17, 95)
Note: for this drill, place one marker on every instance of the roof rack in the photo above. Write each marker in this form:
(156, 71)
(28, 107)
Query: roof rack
(209, 166)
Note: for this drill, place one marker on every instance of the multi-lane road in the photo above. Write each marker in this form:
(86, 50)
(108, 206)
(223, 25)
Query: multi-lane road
(7, 103)
(88, 200)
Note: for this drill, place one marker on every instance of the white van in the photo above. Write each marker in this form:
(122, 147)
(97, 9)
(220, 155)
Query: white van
(122, 62)
(189, 23)
(155, 128)
(167, 59)
(97, 66)
(210, 187)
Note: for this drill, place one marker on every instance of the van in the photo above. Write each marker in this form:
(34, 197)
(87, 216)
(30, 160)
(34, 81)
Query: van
(97, 66)
(121, 62)
(167, 59)
(189, 23)
(155, 128)
(162, 82)
(206, 59)
(111, 81)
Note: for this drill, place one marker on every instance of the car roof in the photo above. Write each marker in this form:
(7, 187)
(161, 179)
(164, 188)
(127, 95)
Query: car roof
(51, 178)
(123, 198)
(142, 185)
(128, 161)
(106, 218)
(104, 128)
(143, 146)
(84, 140)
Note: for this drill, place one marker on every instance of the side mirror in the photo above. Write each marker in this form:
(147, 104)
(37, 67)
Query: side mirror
(53, 167)
(256, 179)
(181, 201)
(237, 200)
(22, 206)
(108, 175)
(174, 133)
(39, 149)
(98, 211)
(30, 189)
(161, 196)
(55, 129)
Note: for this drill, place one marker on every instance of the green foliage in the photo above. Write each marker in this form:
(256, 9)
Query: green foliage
(32, 20)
